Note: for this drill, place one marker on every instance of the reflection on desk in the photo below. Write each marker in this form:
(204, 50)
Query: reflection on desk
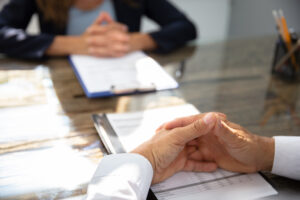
(49, 138)
(281, 99)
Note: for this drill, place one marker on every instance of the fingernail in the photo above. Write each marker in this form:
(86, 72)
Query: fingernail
(209, 118)
(220, 123)
(219, 127)
(221, 114)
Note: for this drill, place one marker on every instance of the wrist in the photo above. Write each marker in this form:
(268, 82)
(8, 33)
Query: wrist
(266, 155)
(141, 41)
(80, 46)
(66, 45)
(145, 151)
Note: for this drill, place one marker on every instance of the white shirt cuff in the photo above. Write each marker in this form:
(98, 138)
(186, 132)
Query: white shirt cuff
(121, 176)
(287, 157)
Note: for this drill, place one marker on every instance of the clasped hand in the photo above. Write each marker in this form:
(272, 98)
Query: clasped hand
(204, 142)
(106, 38)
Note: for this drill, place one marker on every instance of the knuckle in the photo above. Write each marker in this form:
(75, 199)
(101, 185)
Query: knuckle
(90, 29)
(178, 119)
(197, 125)
(88, 40)
(98, 29)
(119, 36)
(104, 28)
(122, 37)
(95, 41)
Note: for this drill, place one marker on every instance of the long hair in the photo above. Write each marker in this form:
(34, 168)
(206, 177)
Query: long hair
(57, 11)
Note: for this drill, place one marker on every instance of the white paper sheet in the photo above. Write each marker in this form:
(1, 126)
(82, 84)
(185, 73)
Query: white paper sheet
(133, 71)
(136, 127)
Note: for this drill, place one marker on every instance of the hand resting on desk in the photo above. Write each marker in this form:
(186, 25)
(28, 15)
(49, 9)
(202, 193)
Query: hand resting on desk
(204, 142)
(169, 150)
(104, 38)
(231, 146)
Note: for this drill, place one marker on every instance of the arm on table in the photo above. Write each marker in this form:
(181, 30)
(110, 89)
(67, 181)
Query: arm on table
(234, 148)
(176, 29)
(128, 176)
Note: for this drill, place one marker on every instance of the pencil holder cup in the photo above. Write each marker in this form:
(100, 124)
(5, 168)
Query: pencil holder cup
(286, 64)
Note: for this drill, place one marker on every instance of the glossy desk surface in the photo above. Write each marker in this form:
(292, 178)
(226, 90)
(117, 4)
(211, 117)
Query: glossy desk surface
(49, 147)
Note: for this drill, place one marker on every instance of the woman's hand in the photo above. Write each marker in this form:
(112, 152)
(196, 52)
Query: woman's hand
(106, 38)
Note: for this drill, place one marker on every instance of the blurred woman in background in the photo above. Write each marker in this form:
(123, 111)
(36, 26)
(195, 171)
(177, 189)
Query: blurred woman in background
(104, 28)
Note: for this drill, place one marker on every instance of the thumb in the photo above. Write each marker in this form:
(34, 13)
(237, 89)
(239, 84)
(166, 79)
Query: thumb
(103, 17)
(225, 133)
(196, 129)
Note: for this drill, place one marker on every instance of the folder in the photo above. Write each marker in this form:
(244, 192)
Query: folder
(123, 132)
(131, 74)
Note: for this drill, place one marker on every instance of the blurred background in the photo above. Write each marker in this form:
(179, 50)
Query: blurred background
(218, 20)
(46, 129)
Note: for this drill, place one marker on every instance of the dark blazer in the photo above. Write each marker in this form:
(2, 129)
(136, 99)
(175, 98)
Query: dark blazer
(175, 30)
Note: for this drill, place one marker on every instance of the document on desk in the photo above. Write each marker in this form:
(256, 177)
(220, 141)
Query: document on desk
(134, 128)
(135, 72)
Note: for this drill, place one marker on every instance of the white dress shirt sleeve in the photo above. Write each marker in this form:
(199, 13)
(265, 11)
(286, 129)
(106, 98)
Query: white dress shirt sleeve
(287, 157)
(121, 176)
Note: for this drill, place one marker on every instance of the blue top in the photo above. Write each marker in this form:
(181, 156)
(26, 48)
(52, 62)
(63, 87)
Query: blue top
(80, 20)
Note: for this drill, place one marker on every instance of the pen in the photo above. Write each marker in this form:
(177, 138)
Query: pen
(278, 23)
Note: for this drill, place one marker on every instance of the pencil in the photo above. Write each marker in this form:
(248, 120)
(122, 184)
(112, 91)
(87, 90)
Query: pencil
(285, 30)
(287, 37)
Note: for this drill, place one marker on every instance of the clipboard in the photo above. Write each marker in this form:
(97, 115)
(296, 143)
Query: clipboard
(110, 140)
(132, 74)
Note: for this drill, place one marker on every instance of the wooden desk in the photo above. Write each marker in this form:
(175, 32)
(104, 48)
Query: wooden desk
(48, 145)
